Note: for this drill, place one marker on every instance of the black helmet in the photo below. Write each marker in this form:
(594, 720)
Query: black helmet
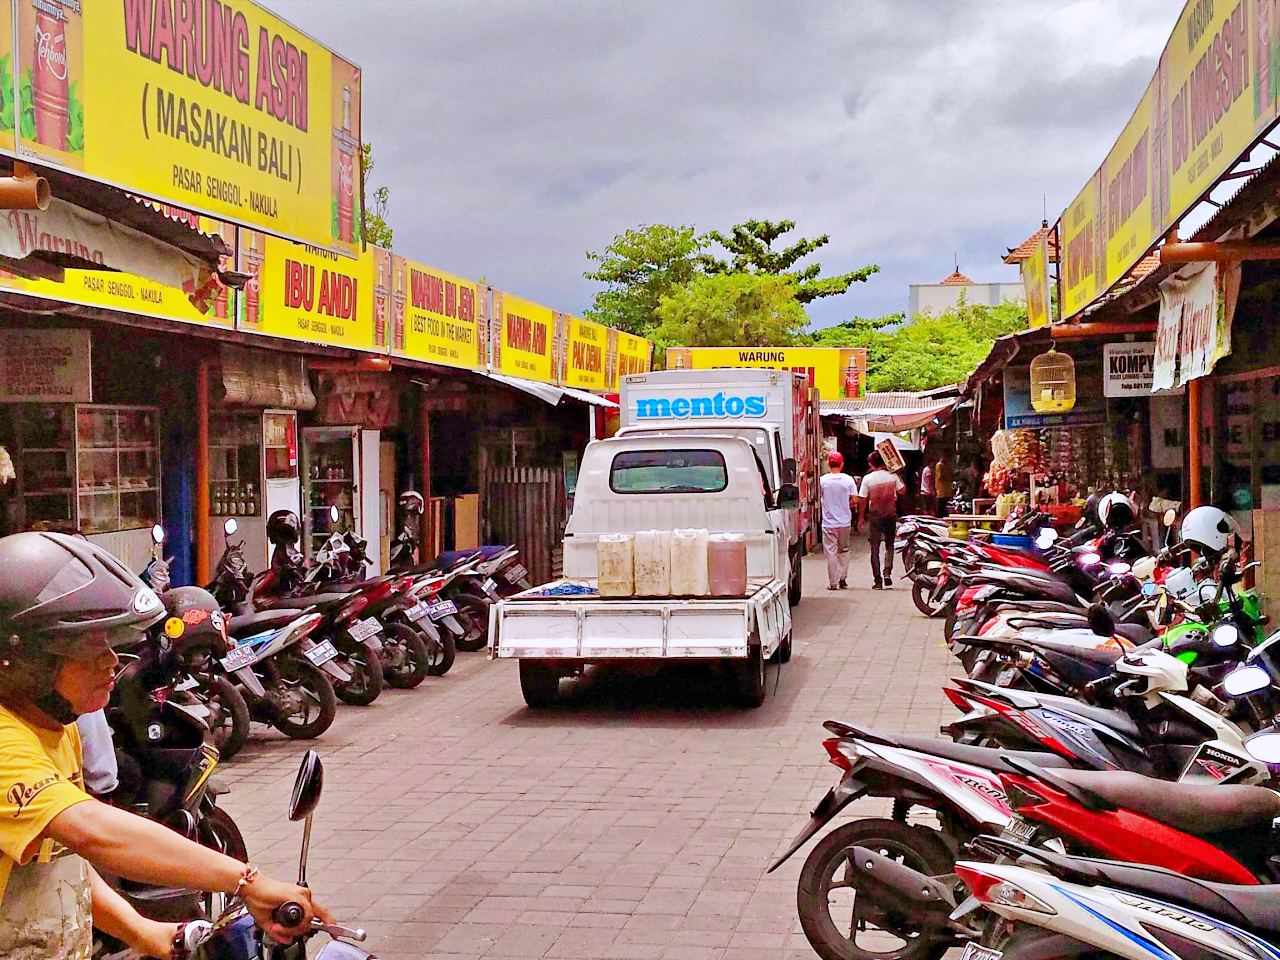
(283, 526)
(56, 590)
(195, 618)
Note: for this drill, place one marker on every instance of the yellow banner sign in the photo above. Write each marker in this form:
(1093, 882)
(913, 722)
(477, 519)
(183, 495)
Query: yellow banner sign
(125, 293)
(523, 338)
(305, 293)
(631, 354)
(1215, 91)
(214, 105)
(1035, 280)
(586, 355)
(837, 372)
(438, 319)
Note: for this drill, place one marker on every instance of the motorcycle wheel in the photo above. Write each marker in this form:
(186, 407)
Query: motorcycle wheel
(319, 705)
(366, 682)
(229, 716)
(826, 896)
(920, 596)
(219, 832)
(475, 637)
(440, 653)
(414, 661)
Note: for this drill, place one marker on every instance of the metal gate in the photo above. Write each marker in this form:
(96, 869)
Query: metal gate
(526, 506)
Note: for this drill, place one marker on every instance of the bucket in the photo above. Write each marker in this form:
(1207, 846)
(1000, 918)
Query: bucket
(689, 573)
(653, 563)
(615, 567)
(727, 565)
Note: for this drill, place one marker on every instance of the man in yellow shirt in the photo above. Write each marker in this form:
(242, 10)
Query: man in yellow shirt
(65, 606)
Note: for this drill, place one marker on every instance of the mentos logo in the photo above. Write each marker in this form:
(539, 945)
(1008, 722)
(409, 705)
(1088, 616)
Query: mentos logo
(680, 408)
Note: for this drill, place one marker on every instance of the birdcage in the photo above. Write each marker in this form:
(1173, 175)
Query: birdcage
(1053, 382)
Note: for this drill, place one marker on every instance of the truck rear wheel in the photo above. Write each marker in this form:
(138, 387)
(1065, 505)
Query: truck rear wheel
(751, 678)
(795, 584)
(539, 682)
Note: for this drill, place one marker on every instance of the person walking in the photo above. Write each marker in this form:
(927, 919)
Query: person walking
(943, 485)
(878, 504)
(928, 496)
(838, 493)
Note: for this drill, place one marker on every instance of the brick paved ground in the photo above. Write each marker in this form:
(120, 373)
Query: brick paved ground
(635, 822)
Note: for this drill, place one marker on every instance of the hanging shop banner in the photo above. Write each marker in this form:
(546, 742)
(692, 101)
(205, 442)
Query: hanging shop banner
(127, 293)
(523, 338)
(1194, 328)
(1090, 407)
(1035, 280)
(307, 293)
(837, 372)
(45, 366)
(1127, 369)
(438, 319)
(214, 105)
(631, 354)
(586, 352)
(1216, 89)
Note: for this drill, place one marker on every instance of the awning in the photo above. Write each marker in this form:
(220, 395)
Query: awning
(552, 394)
(888, 412)
(265, 378)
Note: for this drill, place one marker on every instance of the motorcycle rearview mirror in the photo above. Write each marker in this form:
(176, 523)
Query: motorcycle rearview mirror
(333, 514)
(1245, 680)
(229, 527)
(1046, 538)
(306, 795)
(157, 535)
(1264, 746)
(1145, 568)
(1100, 620)
(1169, 517)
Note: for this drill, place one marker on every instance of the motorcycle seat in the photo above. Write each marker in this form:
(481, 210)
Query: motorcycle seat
(1197, 808)
(311, 600)
(1039, 606)
(452, 559)
(986, 757)
(258, 621)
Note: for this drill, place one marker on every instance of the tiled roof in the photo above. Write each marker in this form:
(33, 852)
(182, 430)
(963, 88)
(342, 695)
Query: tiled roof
(1028, 246)
(956, 279)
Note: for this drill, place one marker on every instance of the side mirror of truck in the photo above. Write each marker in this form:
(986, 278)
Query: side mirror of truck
(788, 497)
(790, 470)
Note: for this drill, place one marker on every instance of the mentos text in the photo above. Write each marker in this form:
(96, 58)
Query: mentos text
(661, 408)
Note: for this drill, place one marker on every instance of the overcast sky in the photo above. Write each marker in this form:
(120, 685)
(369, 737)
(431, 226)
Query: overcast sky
(517, 134)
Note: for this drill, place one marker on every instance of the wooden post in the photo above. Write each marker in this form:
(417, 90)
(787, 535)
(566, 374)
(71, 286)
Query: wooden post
(202, 473)
(1195, 492)
(427, 533)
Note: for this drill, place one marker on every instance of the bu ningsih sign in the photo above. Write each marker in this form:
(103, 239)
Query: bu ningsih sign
(216, 106)
(1216, 90)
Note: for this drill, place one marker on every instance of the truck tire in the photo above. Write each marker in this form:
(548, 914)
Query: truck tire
(751, 685)
(783, 653)
(539, 683)
(796, 583)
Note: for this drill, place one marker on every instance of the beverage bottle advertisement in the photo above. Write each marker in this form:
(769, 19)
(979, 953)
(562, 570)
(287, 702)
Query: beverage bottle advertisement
(50, 49)
(346, 212)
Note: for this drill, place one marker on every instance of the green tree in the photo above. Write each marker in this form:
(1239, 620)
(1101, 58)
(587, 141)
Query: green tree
(639, 268)
(376, 229)
(751, 310)
(750, 249)
(868, 332)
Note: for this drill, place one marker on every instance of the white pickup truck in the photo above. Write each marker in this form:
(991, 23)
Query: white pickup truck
(630, 484)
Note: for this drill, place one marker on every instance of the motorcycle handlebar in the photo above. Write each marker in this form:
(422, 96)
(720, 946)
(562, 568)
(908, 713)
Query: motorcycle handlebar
(289, 914)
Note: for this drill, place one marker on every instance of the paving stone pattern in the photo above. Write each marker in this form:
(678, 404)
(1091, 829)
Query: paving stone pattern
(633, 822)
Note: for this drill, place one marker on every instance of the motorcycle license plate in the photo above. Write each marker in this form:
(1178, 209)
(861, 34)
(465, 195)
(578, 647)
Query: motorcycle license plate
(364, 629)
(1006, 676)
(237, 658)
(417, 611)
(1019, 830)
(321, 653)
(442, 609)
(490, 586)
(513, 573)
(974, 951)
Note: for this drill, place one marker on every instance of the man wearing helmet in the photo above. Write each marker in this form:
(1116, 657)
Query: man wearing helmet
(66, 606)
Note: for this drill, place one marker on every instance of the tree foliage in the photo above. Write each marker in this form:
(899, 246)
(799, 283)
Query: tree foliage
(752, 310)
(638, 269)
(376, 229)
(931, 350)
(750, 249)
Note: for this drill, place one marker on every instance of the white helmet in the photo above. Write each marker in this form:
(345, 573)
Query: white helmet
(411, 502)
(1209, 529)
(1117, 511)
(1152, 671)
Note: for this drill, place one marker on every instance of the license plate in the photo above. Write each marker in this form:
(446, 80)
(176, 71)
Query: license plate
(974, 951)
(321, 653)
(238, 658)
(1006, 676)
(490, 586)
(442, 609)
(417, 611)
(515, 572)
(364, 629)
(1019, 830)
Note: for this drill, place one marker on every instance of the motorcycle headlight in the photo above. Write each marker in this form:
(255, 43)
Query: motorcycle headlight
(1225, 635)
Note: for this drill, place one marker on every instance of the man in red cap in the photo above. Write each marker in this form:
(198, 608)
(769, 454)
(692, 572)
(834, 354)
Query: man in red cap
(838, 493)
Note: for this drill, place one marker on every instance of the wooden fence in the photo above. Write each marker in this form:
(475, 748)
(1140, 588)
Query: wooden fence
(526, 506)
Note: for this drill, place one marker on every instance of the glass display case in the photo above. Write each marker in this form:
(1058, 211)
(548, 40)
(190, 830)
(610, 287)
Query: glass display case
(47, 449)
(280, 445)
(329, 458)
(235, 459)
(117, 456)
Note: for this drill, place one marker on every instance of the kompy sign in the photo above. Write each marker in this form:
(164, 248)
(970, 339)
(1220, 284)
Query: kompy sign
(717, 406)
(1127, 369)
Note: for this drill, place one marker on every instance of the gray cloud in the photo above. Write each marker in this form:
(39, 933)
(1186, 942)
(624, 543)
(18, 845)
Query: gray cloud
(517, 135)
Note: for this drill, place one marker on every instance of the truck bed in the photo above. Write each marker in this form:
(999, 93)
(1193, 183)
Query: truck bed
(589, 627)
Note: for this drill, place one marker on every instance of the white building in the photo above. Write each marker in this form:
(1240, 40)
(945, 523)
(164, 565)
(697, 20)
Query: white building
(937, 297)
